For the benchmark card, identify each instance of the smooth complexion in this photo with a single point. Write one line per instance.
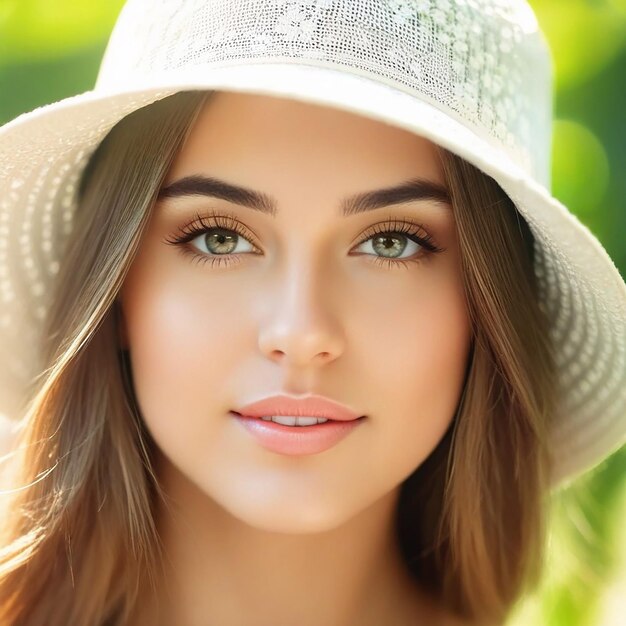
(307, 304)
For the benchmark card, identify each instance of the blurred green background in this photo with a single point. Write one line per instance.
(51, 49)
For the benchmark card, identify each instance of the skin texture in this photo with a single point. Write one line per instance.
(253, 536)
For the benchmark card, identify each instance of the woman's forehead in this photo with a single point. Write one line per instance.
(268, 135)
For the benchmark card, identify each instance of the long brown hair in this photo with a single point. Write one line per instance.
(78, 536)
(472, 516)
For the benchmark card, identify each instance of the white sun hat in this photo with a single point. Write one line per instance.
(474, 76)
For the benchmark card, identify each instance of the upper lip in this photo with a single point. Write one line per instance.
(314, 406)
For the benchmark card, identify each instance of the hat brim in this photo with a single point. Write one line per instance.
(43, 153)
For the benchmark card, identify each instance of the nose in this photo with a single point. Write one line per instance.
(301, 327)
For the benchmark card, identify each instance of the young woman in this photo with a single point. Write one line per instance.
(214, 244)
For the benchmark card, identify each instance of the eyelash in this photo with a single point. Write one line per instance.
(201, 224)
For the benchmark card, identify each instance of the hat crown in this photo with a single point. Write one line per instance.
(484, 62)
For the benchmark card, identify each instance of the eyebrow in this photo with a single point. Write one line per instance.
(407, 191)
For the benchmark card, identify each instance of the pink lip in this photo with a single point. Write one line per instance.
(297, 440)
(313, 406)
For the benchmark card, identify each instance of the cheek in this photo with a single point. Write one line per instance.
(181, 337)
(416, 362)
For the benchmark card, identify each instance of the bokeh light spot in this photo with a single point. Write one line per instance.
(580, 171)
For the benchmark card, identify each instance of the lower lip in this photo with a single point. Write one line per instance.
(296, 440)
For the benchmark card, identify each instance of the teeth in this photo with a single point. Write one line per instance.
(288, 420)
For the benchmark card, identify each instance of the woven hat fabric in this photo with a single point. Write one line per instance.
(474, 76)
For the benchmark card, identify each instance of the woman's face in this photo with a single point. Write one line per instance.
(306, 301)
